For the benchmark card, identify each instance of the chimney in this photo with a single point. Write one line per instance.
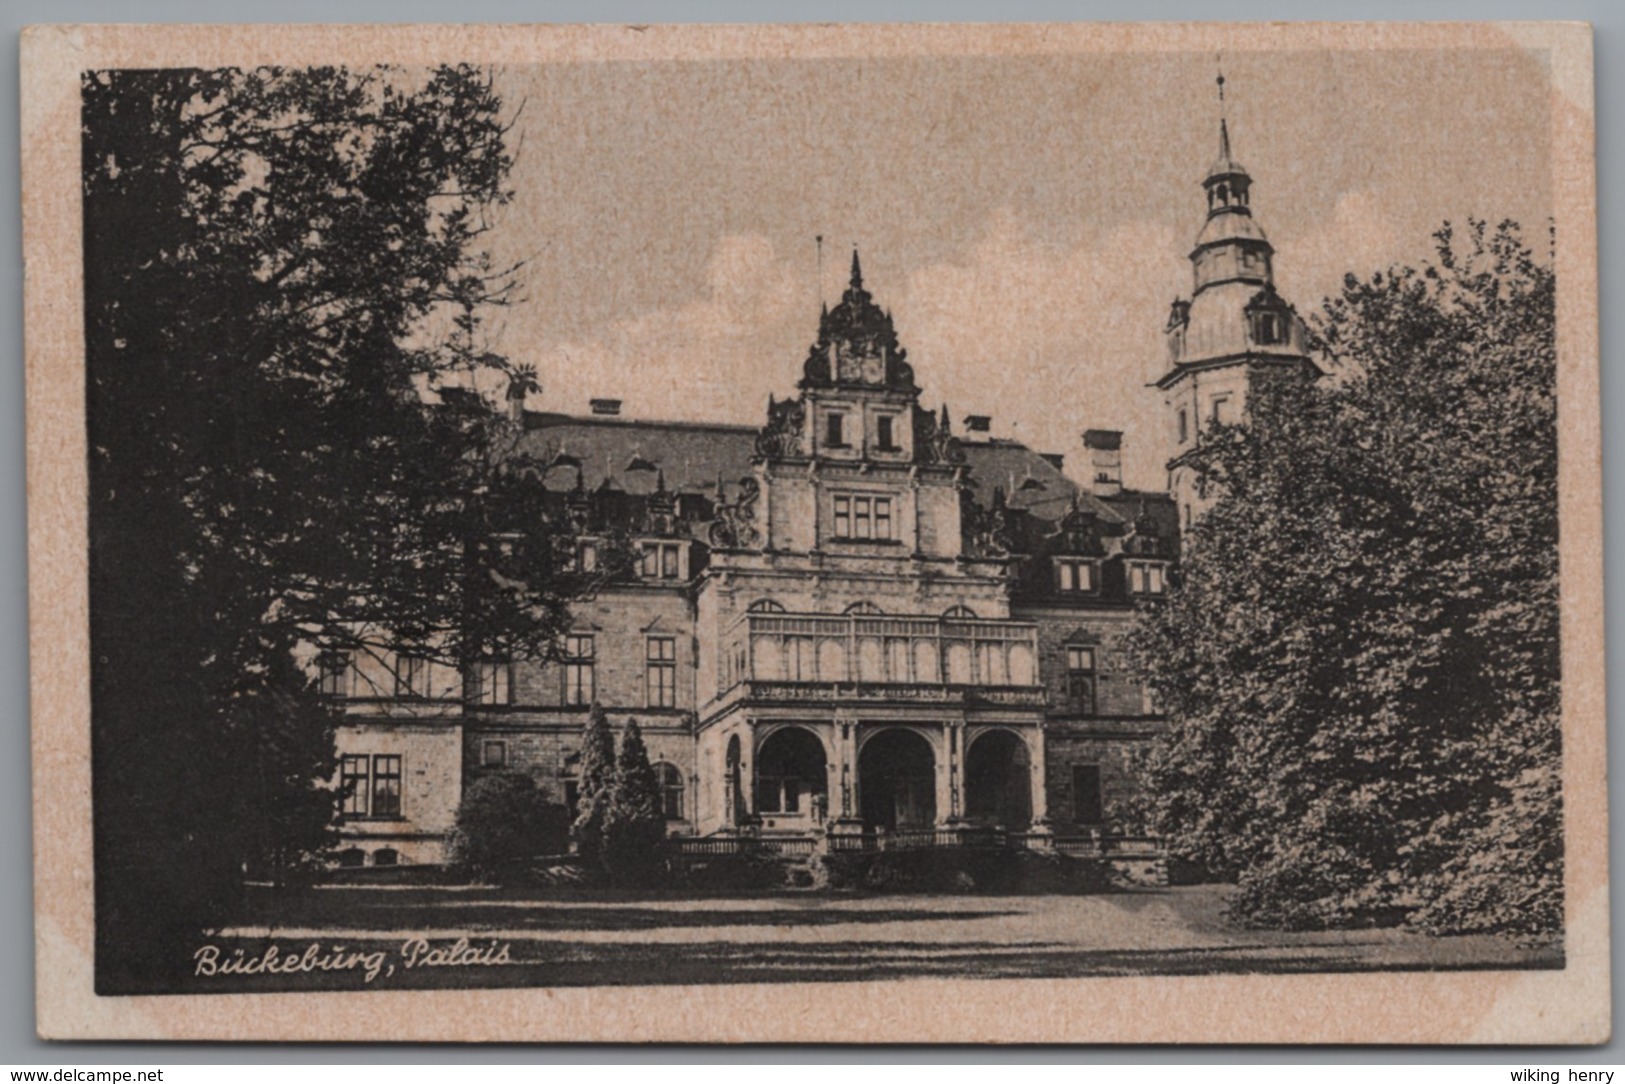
(978, 428)
(606, 407)
(1105, 447)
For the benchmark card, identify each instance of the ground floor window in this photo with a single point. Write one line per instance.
(671, 790)
(1087, 807)
(371, 785)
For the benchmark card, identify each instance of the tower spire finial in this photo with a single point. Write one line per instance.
(857, 270)
(1224, 125)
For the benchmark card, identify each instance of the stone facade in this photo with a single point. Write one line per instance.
(848, 619)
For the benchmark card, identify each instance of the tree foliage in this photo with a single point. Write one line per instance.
(502, 821)
(1360, 664)
(634, 825)
(596, 784)
(278, 262)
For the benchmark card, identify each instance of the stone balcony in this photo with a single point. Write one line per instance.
(783, 657)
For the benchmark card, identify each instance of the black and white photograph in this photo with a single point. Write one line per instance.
(873, 511)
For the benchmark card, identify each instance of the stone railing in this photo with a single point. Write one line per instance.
(783, 655)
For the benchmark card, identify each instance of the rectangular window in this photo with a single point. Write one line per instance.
(776, 794)
(334, 674)
(1087, 807)
(494, 754)
(386, 786)
(587, 556)
(1147, 578)
(885, 438)
(671, 791)
(411, 676)
(1071, 575)
(1080, 679)
(1221, 409)
(572, 796)
(1184, 427)
(493, 682)
(883, 519)
(579, 685)
(835, 430)
(353, 782)
(662, 671)
(660, 560)
(863, 518)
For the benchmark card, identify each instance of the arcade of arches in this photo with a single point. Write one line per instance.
(884, 777)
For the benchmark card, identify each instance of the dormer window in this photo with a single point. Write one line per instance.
(1073, 575)
(661, 560)
(1269, 328)
(1147, 578)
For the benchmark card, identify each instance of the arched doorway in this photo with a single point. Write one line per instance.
(897, 784)
(998, 780)
(792, 773)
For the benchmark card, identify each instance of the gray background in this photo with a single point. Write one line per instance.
(17, 1041)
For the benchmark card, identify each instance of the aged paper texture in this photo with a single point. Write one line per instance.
(816, 534)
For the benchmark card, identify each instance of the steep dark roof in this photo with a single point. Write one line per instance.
(691, 455)
(1009, 465)
(634, 455)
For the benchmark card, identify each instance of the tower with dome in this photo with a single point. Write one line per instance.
(1234, 327)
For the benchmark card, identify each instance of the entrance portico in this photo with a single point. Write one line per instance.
(857, 770)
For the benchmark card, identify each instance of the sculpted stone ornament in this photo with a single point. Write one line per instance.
(934, 441)
(857, 344)
(782, 436)
(986, 531)
(735, 526)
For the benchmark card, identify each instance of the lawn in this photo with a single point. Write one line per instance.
(396, 937)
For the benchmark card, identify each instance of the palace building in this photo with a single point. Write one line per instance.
(850, 618)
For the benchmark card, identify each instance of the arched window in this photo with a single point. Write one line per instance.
(386, 856)
(960, 613)
(351, 857)
(764, 606)
(671, 790)
(864, 607)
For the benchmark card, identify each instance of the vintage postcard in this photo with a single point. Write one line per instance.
(974, 533)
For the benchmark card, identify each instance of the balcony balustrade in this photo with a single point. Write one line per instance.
(784, 656)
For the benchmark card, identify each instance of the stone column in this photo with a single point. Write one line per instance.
(1040, 785)
(843, 801)
(747, 771)
(947, 776)
(956, 767)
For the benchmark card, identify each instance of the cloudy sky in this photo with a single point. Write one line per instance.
(1026, 218)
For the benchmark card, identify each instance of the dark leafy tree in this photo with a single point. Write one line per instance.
(1360, 664)
(596, 785)
(502, 822)
(634, 825)
(277, 263)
